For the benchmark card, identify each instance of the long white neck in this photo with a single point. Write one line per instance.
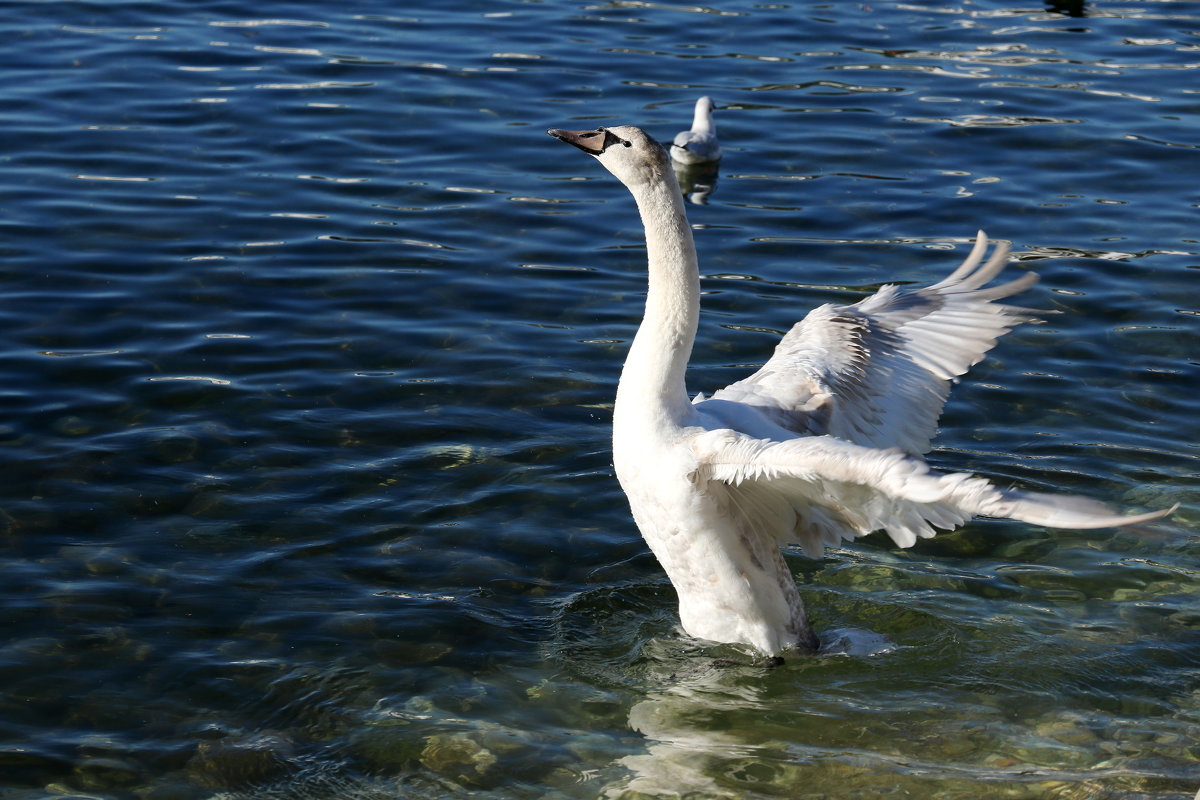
(652, 386)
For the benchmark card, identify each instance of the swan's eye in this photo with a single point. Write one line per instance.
(611, 138)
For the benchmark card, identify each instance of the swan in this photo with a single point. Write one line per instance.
(819, 445)
(699, 145)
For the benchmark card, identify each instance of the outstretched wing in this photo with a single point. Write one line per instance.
(877, 373)
(839, 490)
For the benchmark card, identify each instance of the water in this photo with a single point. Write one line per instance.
(310, 336)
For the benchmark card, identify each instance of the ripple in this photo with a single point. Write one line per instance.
(125, 179)
(260, 23)
(195, 378)
(308, 388)
(993, 121)
(78, 353)
(316, 85)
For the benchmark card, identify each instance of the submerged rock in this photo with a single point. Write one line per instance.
(106, 774)
(457, 756)
(239, 762)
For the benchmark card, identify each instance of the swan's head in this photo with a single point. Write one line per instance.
(627, 152)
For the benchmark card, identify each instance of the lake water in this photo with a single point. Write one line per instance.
(310, 338)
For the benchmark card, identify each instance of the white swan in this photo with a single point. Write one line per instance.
(699, 145)
(817, 446)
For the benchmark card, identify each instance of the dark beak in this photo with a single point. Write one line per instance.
(591, 142)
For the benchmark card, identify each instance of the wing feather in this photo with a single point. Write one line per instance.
(839, 490)
(877, 372)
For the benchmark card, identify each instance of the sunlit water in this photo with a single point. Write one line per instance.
(310, 336)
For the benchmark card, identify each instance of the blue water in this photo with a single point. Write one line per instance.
(310, 336)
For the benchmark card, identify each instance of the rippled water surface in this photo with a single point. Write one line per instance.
(310, 336)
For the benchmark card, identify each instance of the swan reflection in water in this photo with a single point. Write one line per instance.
(686, 736)
(699, 724)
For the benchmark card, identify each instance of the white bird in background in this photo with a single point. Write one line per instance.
(699, 145)
(818, 446)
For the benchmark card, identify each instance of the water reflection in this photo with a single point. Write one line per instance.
(686, 740)
(697, 181)
(697, 724)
